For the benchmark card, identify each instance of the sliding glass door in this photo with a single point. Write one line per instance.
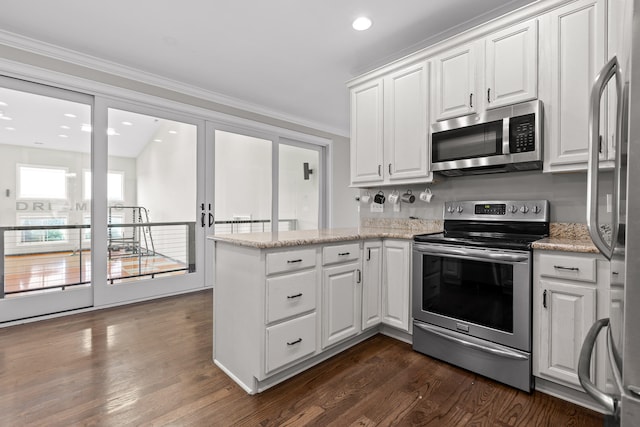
(154, 234)
(45, 245)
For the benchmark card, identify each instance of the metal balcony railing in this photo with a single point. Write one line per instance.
(49, 257)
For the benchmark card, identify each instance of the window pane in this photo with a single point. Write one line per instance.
(152, 181)
(42, 183)
(243, 183)
(298, 193)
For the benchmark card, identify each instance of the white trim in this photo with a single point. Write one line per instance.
(51, 51)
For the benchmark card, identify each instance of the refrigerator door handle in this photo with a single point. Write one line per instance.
(610, 70)
(584, 369)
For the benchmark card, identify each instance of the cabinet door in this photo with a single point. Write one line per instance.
(340, 303)
(367, 132)
(396, 284)
(371, 284)
(406, 120)
(577, 36)
(512, 65)
(455, 83)
(564, 322)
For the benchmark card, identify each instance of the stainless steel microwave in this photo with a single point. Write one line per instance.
(500, 140)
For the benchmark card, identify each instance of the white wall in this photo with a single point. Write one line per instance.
(344, 209)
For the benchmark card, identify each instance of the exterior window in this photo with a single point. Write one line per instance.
(35, 182)
(43, 235)
(115, 185)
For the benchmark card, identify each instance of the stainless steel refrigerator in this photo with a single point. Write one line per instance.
(617, 235)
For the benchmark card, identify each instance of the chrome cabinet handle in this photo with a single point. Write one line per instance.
(544, 299)
(299, 340)
(470, 100)
(379, 170)
(293, 261)
(368, 254)
(390, 169)
(489, 96)
(359, 276)
(294, 296)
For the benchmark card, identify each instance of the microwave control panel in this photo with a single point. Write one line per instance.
(522, 133)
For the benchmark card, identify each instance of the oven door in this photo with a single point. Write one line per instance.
(484, 293)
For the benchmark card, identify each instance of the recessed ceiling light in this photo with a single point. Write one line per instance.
(85, 127)
(127, 123)
(173, 132)
(64, 127)
(63, 136)
(362, 23)
(7, 118)
(112, 132)
(73, 116)
(3, 104)
(10, 128)
(157, 140)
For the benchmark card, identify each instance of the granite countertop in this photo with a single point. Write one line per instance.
(405, 229)
(567, 237)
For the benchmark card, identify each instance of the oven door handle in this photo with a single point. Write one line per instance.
(487, 347)
(473, 254)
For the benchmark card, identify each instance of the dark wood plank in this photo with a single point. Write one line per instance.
(150, 364)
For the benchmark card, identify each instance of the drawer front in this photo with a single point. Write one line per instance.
(290, 341)
(340, 253)
(568, 267)
(291, 294)
(279, 262)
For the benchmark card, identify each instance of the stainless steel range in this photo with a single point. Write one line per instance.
(472, 287)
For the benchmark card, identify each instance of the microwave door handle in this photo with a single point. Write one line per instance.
(505, 135)
(607, 73)
(584, 369)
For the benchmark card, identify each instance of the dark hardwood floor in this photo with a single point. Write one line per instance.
(150, 364)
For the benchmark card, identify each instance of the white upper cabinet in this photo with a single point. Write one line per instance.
(573, 53)
(367, 150)
(455, 85)
(389, 128)
(512, 65)
(406, 122)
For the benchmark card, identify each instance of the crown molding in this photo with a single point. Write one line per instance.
(87, 61)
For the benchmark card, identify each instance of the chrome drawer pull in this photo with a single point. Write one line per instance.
(299, 340)
(294, 296)
(559, 267)
(292, 261)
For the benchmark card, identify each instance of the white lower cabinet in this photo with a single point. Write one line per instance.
(396, 284)
(341, 302)
(569, 296)
(290, 341)
(372, 284)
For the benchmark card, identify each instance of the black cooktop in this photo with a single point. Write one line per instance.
(485, 240)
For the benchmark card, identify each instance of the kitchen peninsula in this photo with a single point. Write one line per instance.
(286, 301)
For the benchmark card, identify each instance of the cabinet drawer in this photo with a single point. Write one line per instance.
(291, 294)
(290, 341)
(340, 253)
(278, 262)
(568, 267)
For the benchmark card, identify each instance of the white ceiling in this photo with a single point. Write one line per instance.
(291, 57)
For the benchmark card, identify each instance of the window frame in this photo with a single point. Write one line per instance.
(19, 180)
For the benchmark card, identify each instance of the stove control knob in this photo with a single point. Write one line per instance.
(524, 209)
(459, 209)
(513, 209)
(536, 209)
(450, 209)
